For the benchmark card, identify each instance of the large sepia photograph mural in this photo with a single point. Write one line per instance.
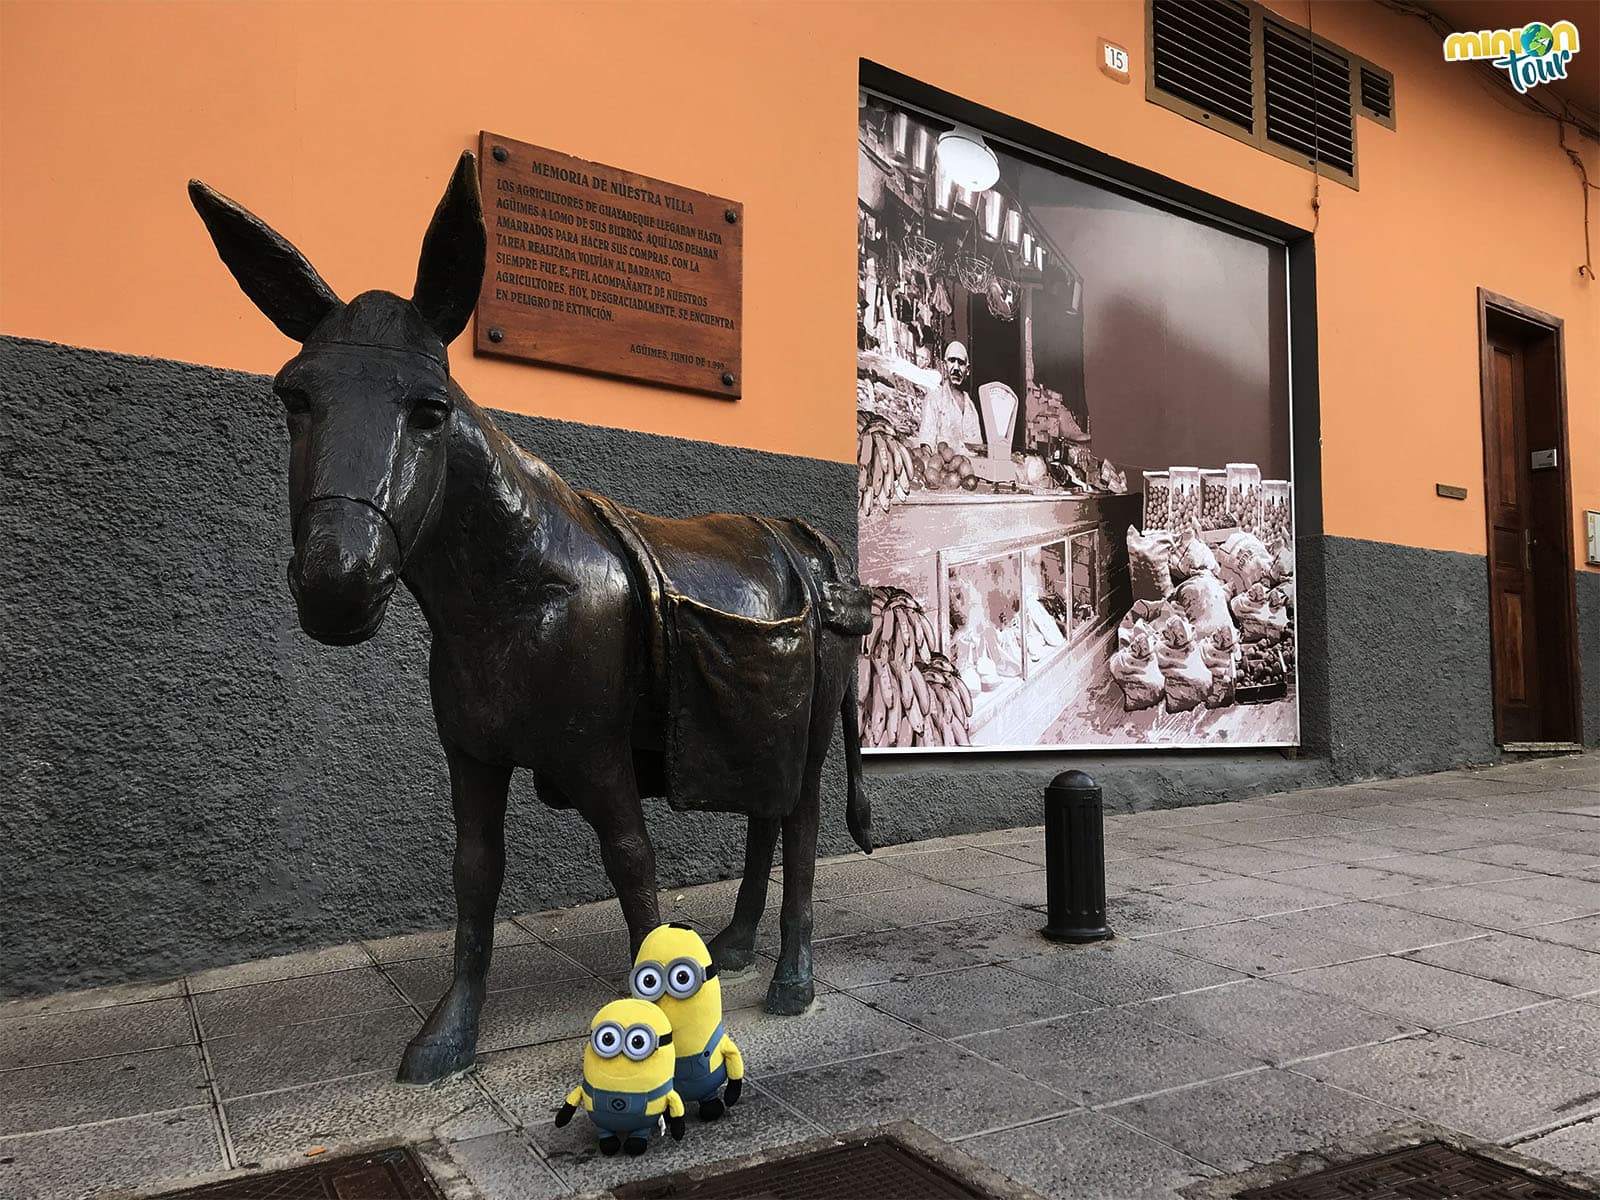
(1075, 492)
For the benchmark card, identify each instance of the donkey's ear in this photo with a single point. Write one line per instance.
(272, 273)
(450, 272)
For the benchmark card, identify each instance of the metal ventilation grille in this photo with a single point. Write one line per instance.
(1377, 93)
(1308, 99)
(1430, 1170)
(1202, 55)
(394, 1174)
(879, 1167)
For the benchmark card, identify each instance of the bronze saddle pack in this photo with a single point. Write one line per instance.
(734, 647)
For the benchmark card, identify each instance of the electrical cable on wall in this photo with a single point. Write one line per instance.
(1587, 269)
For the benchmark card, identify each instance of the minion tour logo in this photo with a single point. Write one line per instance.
(1534, 54)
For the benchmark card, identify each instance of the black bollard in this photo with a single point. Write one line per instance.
(1075, 860)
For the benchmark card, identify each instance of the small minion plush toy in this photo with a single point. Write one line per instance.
(627, 1077)
(674, 970)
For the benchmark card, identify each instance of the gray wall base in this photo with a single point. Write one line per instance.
(1408, 659)
(189, 781)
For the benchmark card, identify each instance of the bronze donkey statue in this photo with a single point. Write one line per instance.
(613, 654)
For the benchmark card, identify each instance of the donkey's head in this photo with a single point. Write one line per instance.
(369, 402)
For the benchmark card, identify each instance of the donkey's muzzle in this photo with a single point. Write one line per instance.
(345, 567)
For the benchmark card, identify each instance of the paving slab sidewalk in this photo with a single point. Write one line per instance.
(1299, 973)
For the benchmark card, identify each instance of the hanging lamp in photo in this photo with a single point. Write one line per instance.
(967, 159)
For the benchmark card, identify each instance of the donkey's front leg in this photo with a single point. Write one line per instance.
(610, 803)
(450, 1037)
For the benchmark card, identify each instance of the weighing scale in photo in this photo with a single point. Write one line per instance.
(998, 404)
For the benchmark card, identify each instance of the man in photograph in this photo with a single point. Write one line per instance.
(948, 415)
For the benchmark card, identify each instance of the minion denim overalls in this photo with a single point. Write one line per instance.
(623, 1113)
(695, 1079)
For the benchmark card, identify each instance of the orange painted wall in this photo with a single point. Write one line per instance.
(339, 121)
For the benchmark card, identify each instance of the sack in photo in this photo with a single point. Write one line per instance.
(1145, 614)
(1283, 563)
(1183, 667)
(1204, 601)
(1243, 561)
(1191, 558)
(1137, 673)
(1221, 652)
(1149, 563)
(1257, 619)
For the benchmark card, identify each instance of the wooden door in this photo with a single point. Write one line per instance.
(1512, 595)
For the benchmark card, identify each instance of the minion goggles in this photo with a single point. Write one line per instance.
(680, 979)
(638, 1042)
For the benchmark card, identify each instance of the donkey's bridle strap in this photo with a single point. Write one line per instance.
(394, 532)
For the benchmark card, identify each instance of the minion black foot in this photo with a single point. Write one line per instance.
(635, 1145)
(711, 1109)
(610, 1144)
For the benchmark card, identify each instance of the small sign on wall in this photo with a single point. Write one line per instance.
(1114, 61)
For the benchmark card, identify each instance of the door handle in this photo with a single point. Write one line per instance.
(1527, 550)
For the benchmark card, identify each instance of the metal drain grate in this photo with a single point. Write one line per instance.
(881, 1168)
(393, 1174)
(1432, 1171)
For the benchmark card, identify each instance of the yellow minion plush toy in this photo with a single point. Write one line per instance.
(627, 1077)
(674, 971)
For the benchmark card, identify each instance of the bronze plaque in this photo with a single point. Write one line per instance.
(599, 269)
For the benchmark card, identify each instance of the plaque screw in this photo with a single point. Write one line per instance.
(496, 335)
(731, 217)
(500, 155)
(727, 379)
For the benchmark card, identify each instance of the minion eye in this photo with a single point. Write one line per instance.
(607, 1040)
(683, 979)
(648, 982)
(639, 1043)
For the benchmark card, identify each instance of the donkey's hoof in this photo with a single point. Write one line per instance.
(732, 953)
(790, 998)
(432, 1059)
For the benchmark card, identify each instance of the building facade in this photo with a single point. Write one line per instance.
(197, 782)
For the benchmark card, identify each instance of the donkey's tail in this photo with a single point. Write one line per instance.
(858, 808)
(846, 609)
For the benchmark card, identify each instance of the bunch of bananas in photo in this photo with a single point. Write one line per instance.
(910, 694)
(884, 469)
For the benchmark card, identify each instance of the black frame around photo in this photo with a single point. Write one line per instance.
(1050, 150)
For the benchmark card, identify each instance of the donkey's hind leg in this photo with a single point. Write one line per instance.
(449, 1038)
(734, 948)
(792, 989)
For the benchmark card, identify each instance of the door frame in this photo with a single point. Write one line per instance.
(1491, 302)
